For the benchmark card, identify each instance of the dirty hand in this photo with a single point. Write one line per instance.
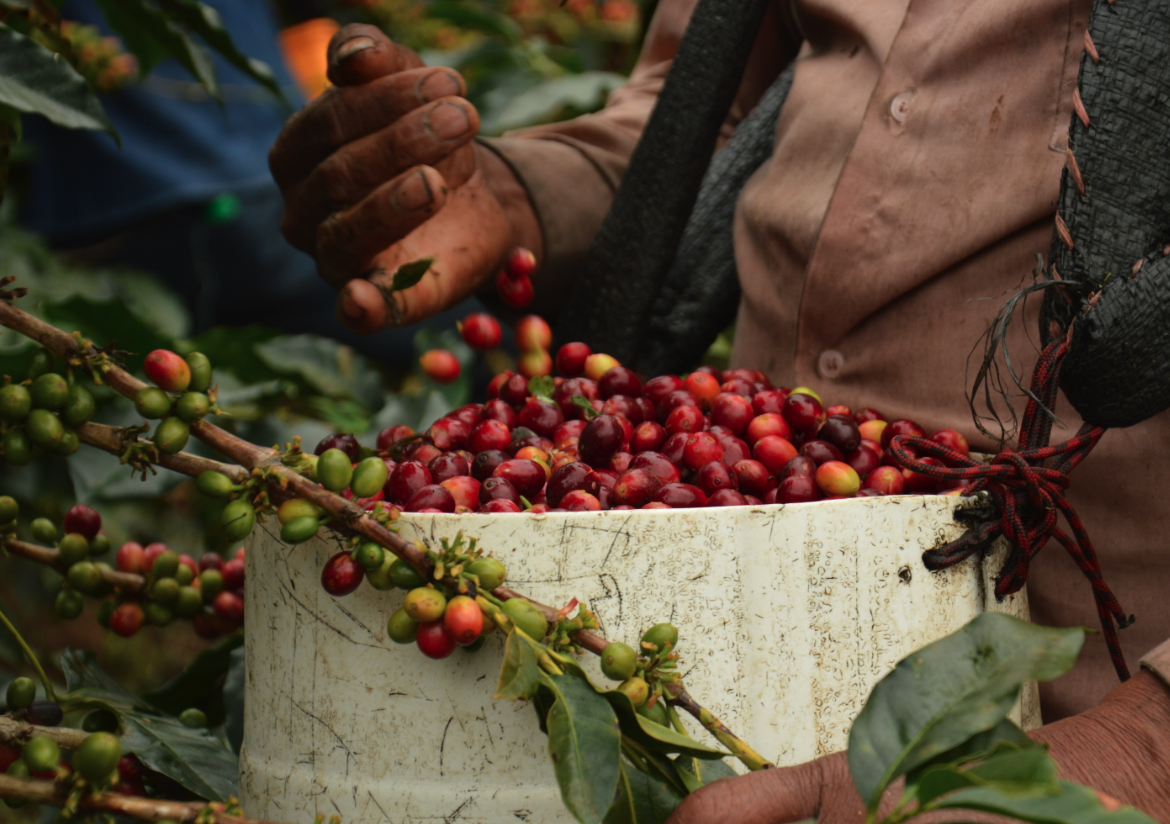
(381, 170)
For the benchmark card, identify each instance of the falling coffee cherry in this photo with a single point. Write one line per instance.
(440, 365)
(516, 292)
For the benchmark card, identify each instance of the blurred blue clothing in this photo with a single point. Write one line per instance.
(179, 146)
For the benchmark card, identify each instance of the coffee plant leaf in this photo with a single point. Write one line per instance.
(1008, 770)
(654, 736)
(328, 367)
(949, 691)
(641, 799)
(205, 21)
(196, 684)
(976, 748)
(152, 36)
(36, 81)
(520, 672)
(408, 274)
(584, 744)
(699, 773)
(194, 758)
(1069, 804)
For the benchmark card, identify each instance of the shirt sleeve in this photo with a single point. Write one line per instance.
(1158, 662)
(572, 169)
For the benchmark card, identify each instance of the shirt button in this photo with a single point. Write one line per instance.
(900, 106)
(830, 364)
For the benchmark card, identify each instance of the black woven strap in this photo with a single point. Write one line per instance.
(628, 262)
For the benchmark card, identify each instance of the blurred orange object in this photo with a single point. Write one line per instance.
(303, 46)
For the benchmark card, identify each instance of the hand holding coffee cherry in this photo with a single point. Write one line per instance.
(401, 181)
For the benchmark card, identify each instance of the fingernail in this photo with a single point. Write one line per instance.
(438, 84)
(351, 47)
(448, 121)
(413, 194)
(350, 308)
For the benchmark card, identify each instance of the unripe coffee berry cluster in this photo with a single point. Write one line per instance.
(641, 672)
(39, 416)
(209, 593)
(96, 762)
(178, 396)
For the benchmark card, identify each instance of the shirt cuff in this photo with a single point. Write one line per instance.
(571, 195)
(1157, 661)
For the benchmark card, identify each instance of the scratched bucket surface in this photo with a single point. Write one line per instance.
(787, 617)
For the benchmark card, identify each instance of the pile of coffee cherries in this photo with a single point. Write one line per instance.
(598, 437)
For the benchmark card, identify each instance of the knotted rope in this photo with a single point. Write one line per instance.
(1028, 497)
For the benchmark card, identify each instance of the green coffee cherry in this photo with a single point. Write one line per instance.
(334, 470)
(151, 402)
(370, 555)
(237, 520)
(380, 578)
(44, 428)
(41, 363)
(618, 661)
(295, 508)
(49, 391)
(17, 769)
(527, 618)
(165, 565)
(214, 484)
(100, 544)
(44, 531)
(21, 693)
(17, 447)
(165, 591)
(192, 406)
(15, 403)
(200, 372)
(210, 584)
(193, 718)
(9, 509)
(660, 637)
(189, 603)
(41, 754)
(85, 577)
(79, 407)
(425, 604)
(657, 713)
(184, 575)
(404, 576)
(158, 615)
(369, 477)
(68, 604)
(171, 435)
(401, 628)
(490, 572)
(68, 444)
(636, 690)
(299, 530)
(97, 757)
(73, 549)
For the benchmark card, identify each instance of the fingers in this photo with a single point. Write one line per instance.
(346, 113)
(349, 240)
(778, 796)
(425, 137)
(358, 53)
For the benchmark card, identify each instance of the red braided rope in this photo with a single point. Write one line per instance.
(1028, 496)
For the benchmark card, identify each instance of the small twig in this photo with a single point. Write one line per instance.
(739, 748)
(48, 685)
(16, 733)
(144, 809)
(126, 581)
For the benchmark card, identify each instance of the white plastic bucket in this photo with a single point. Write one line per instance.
(787, 616)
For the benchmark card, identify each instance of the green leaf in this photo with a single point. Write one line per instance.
(520, 672)
(10, 117)
(541, 386)
(193, 757)
(331, 368)
(35, 80)
(1009, 770)
(585, 747)
(584, 404)
(654, 736)
(549, 99)
(205, 22)
(1070, 804)
(192, 686)
(983, 745)
(409, 274)
(699, 773)
(641, 799)
(949, 691)
(148, 32)
(234, 349)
